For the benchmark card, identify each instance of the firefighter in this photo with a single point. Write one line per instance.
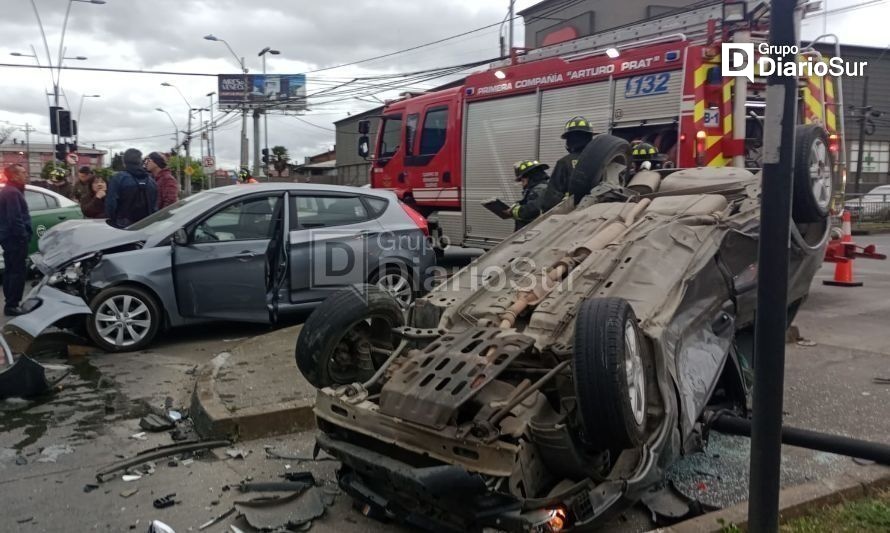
(534, 179)
(577, 134)
(644, 156)
(245, 177)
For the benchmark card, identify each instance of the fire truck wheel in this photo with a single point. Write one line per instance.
(603, 159)
(613, 370)
(813, 174)
(348, 336)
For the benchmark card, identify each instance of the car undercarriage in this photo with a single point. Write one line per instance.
(550, 382)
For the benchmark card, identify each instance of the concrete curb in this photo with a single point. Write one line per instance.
(213, 419)
(794, 501)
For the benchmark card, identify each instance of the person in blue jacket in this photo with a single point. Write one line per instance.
(132, 192)
(15, 233)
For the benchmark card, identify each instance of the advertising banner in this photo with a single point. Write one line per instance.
(269, 91)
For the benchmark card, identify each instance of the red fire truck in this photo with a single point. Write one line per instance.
(446, 152)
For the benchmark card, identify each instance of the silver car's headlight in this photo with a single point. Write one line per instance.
(70, 274)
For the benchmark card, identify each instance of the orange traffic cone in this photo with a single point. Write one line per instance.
(846, 227)
(843, 269)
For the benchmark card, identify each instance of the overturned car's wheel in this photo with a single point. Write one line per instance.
(813, 174)
(124, 319)
(611, 371)
(604, 159)
(347, 337)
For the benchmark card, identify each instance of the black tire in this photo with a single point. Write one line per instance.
(601, 384)
(118, 295)
(594, 161)
(331, 325)
(811, 140)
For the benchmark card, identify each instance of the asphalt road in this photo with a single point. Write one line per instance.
(51, 449)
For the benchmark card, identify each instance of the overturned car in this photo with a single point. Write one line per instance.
(549, 383)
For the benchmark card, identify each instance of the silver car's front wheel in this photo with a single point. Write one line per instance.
(396, 282)
(124, 318)
(633, 370)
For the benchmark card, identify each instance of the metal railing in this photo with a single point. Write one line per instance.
(869, 211)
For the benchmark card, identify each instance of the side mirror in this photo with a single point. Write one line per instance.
(364, 127)
(364, 146)
(180, 237)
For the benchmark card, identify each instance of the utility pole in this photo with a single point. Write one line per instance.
(256, 143)
(244, 156)
(510, 38)
(863, 112)
(188, 157)
(28, 130)
(210, 147)
(780, 116)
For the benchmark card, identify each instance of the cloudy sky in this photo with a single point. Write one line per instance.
(166, 35)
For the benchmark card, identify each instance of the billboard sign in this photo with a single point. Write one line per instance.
(263, 91)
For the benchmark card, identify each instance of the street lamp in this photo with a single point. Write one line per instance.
(175, 135)
(187, 186)
(262, 54)
(240, 61)
(211, 145)
(58, 75)
(80, 110)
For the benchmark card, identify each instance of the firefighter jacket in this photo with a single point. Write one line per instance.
(531, 205)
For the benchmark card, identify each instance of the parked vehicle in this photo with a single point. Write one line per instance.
(873, 206)
(232, 253)
(563, 388)
(447, 151)
(47, 209)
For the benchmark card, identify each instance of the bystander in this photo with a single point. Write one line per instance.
(15, 233)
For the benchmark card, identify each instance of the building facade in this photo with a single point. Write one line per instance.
(555, 21)
(16, 151)
(351, 168)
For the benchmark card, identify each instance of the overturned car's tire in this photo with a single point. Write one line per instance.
(124, 318)
(813, 174)
(611, 363)
(342, 340)
(603, 159)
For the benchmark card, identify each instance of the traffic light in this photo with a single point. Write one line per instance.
(54, 119)
(61, 151)
(65, 129)
(265, 156)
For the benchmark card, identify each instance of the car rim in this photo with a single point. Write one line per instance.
(633, 366)
(398, 287)
(820, 174)
(123, 320)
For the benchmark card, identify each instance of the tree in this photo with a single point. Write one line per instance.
(178, 162)
(281, 158)
(117, 161)
(105, 172)
(5, 132)
(45, 173)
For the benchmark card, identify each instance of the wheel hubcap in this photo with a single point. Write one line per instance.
(820, 174)
(633, 366)
(397, 286)
(122, 320)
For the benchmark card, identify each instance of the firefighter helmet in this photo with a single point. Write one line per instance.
(524, 167)
(578, 123)
(643, 152)
(243, 174)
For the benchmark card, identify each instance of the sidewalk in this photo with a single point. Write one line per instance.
(255, 390)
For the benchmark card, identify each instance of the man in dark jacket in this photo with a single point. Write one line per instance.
(89, 192)
(534, 179)
(168, 187)
(15, 233)
(132, 193)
